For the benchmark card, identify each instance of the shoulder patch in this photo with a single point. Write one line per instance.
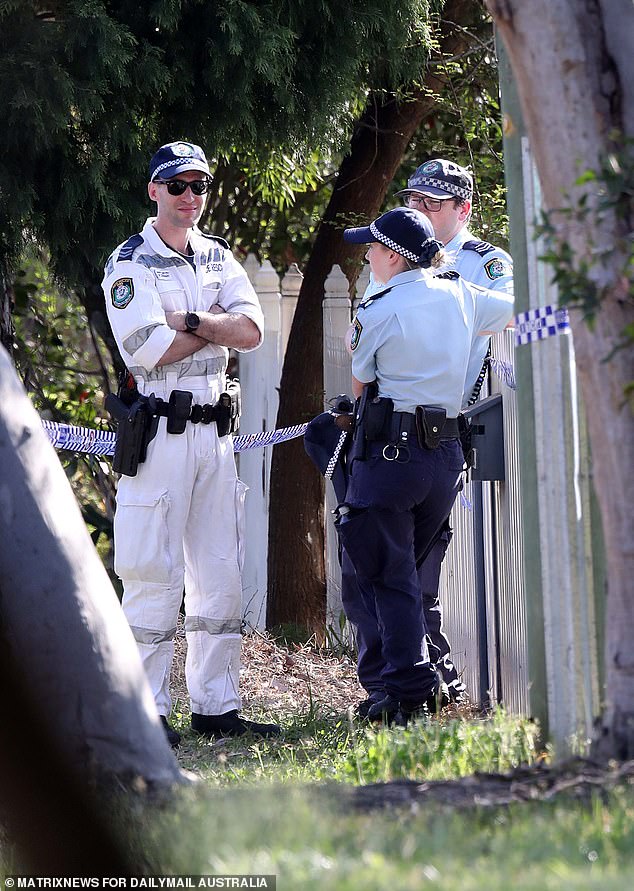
(357, 328)
(480, 247)
(496, 268)
(122, 292)
(223, 242)
(450, 274)
(129, 247)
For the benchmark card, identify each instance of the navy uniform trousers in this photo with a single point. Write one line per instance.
(395, 512)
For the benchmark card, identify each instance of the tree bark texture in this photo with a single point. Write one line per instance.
(62, 630)
(6, 325)
(574, 68)
(296, 584)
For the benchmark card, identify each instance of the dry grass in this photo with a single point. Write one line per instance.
(283, 679)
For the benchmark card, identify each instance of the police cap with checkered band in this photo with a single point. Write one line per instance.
(175, 158)
(404, 230)
(440, 179)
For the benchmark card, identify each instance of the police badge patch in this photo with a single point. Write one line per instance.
(496, 268)
(122, 292)
(357, 328)
(183, 150)
(431, 167)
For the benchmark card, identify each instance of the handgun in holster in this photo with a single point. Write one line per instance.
(235, 393)
(357, 450)
(137, 425)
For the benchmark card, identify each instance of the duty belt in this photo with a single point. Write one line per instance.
(198, 414)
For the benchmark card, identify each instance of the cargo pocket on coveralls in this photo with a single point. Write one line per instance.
(142, 539)
(240, 496)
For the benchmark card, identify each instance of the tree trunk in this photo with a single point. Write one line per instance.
(296, 584)
(6, 325)
(64, 640)
(574, 69)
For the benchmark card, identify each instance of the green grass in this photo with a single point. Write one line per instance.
(319, 747)
(288, 807)
(314, 839)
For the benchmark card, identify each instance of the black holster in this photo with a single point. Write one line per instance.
(137, 426)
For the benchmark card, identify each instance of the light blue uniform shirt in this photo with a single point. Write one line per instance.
(487, 266)
(416, 339)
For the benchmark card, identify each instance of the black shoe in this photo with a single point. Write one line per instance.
(173, 738)
(386, 711)
(364, 707)
(231, 724)
(399, 713)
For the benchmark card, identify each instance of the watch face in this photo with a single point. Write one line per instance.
(192, 321)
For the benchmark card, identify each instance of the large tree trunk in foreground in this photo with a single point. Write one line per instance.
(6, 326)
(70, 663)
(296, 584)
(574, 68)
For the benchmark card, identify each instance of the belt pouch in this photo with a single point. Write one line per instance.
(430, 420)
(178, 410)
(378, 418)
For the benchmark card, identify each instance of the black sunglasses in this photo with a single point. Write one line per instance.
(179, 186)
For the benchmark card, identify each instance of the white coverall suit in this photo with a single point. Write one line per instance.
(179, 521)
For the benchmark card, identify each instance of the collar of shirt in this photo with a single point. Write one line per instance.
(152, 237)
(458, 240)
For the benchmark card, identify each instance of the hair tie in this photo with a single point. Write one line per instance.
(429, 248)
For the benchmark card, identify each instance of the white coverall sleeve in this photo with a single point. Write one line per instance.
(237, 295)
(136, 315)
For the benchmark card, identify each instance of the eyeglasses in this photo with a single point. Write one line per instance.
(179, 186)
(433, 205)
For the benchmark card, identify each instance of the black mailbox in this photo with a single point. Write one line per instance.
(487, 438)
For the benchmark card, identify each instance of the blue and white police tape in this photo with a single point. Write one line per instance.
(538, 324)
(70, 438)
(504, 370)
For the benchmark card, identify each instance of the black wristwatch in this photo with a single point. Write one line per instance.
(192, 321)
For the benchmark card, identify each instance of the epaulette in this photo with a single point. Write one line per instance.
(129, 247)
(480, 247)
(368, 300)
(451, 274)
(222, 241)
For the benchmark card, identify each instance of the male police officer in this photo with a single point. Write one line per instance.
(443, 191)
(177, 300)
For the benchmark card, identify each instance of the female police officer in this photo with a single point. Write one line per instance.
(410, 348)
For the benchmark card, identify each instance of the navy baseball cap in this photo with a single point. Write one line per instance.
(175, 158)
(404, 230)
(326, 445)
(440, 179)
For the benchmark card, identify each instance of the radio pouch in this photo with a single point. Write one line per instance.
(178, 410)
(378, 418)
(430, 421)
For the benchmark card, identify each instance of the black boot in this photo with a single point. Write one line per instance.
(173, 738)
(231, 724)
(391, 711)
(364, 707)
